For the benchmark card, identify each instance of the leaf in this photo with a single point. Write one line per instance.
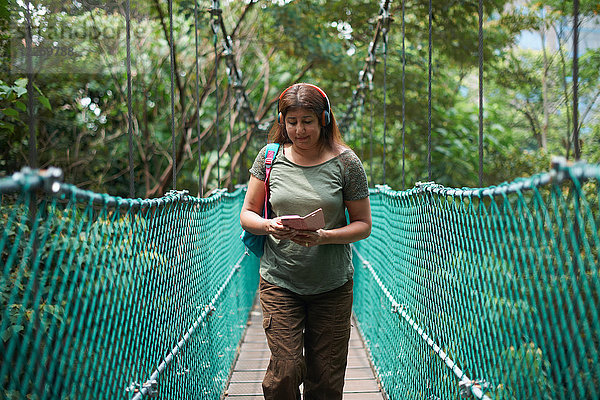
(21, 82)
(20, 91)
(11, 112)
(4, 89)
(20, 105)
(45, 102)
(10, 331)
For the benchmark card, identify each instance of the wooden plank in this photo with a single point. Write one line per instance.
(246, 380)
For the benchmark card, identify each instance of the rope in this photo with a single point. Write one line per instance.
(480, 93)
(357, 94)
(231, 123)
(429, 101)
(200, 185)
(385, 17)
(30, 92)
(215, 13)
(363, 140)
(576, 79)
(171, 282)
(371, 127)
(400, 309)
(129, 111)
(172, 53)
(403, 93)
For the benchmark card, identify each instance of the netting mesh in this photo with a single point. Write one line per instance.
(490, 292)
(497, 288)
(101, 296)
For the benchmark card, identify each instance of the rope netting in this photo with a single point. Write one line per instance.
(110, 298)
(489, 292)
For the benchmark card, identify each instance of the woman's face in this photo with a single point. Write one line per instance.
(302, 126)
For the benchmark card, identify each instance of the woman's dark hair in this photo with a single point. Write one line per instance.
(303, 95)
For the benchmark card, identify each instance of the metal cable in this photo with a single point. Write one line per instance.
(429, 101)
(480, 93)
(371, 135)
(216, 6)
(200, 185)
(576, 79)
(362, 131)
(403, 93)
(231, 123)
(129, 111)
(385, 51)
(172, 51)
(30, 92)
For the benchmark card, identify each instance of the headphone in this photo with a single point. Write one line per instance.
(325, 117)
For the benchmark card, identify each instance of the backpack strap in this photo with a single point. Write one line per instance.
(270, 154)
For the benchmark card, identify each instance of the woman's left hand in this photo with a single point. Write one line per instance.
(310, 238)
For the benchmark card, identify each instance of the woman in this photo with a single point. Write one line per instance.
(306, 277)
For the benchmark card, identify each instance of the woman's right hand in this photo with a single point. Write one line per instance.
(276, 229)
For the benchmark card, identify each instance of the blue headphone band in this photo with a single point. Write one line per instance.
(325, 118)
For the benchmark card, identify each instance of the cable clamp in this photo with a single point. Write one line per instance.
(398, 308)
(558, 165)
(228, 46)
(133, 387)
(215, 11)
(53, 177)
(384, 15)
(466, 386)
(151, 387)
(210, 310)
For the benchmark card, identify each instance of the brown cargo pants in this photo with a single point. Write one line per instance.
(319, 325)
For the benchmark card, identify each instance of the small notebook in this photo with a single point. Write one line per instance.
(310, 222)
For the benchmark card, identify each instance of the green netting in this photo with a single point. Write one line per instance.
(100, 296)
(493, 292)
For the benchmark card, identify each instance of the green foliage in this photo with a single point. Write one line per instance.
(82, 127)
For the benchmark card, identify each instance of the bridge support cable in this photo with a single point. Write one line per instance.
(403, 92)
(235, 77)
(198, 130)
(172, 57)
(429, 68)
(216, 18)
(385, 18)
(129, 107)
(577, 149)
(480, 12)
(369, 66)
(466, 384)
(30, 91)
(371, 110)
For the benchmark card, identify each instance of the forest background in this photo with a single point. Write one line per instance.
(80, 105)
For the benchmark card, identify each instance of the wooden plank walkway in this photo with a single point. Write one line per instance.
(246, 379)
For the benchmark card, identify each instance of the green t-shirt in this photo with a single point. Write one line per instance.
(299, 190)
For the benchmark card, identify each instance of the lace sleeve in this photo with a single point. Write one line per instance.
(355, 178)
(258, 168)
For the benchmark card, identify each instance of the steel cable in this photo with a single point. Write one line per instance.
(403, 92)
(200, 185)
(172, 54)
(129, 106)
(480, 93)
(429, 98)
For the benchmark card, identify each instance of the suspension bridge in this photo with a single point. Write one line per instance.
(487, 293)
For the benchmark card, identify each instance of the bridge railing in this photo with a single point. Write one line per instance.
(110, 298)
(491, 293)
(488, 292)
